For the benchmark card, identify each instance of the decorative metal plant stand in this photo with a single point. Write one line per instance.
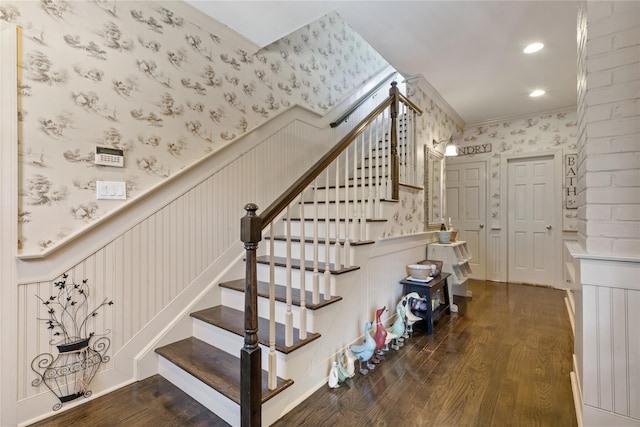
(68, 375)
(80, 352)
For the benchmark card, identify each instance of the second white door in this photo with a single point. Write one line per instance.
(530, 220)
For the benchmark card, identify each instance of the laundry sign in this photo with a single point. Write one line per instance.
(474, 149)
(570, 181)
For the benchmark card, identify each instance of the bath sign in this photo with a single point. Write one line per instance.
(570, 181)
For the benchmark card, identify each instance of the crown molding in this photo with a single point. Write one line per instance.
(420, 81)
(521, 116)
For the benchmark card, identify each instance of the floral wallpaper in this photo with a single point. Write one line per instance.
(408, 216)
(525, 135)
(135, 76)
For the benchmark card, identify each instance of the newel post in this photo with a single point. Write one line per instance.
(250, 355)
(395, 160)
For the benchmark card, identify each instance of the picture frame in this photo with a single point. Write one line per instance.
(434, 189)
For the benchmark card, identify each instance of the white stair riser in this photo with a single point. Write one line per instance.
(281, 245)
(341, 193)
(216, 402)
(280, 277)
(232, 344)
(342, 229)
(235, 299)
(355, 209)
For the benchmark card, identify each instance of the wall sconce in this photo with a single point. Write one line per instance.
(450, 149)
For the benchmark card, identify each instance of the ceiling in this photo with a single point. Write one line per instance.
(469, 51)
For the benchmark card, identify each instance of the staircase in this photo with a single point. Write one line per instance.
(262, 348)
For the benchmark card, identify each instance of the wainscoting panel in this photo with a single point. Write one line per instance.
(607, 337)
(611, 374)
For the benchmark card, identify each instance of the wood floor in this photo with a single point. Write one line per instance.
(504, 362)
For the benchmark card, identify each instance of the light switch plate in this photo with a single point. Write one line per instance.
(111, 190)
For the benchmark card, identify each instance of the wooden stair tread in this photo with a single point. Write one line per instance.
(350, 185)
(341, 219)
(333, 187)
(214, 367)
(232, 320)
(281, 294)
(321, 202)
(308, 265)
(321, 241)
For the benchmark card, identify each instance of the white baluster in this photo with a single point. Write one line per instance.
(337, 252)
(377, 205)
(370, 186)
(327, 243)
(363, 196)
(356, 228)
(316, 274)
(347, 225)
(388, 183)
(288, 320)
(410, 148)
(402, 143)
(273, 371)
(303, 296)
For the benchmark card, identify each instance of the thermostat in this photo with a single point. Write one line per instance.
(109, 157)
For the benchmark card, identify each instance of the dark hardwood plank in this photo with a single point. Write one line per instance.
(216, 368)
(233, 321)
(505, 361)
(281, 292)
(150, 402)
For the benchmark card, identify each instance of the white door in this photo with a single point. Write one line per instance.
(466, 206)
(530, 206)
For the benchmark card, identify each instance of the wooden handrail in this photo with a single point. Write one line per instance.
(410, 104)
(361, 101)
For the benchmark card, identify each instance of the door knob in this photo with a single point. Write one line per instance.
(548, 227)
(481, 225)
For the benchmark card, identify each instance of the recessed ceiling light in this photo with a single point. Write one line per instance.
(537, 92)
(533, 47)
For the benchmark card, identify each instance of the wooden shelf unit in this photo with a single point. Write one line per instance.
(455, 258)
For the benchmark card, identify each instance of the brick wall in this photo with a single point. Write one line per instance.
(609, 127)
